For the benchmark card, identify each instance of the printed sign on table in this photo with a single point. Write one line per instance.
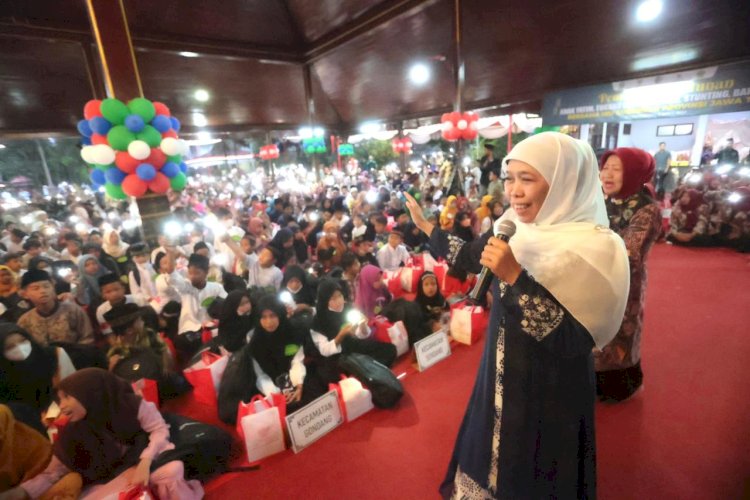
(432, 349)
(314, 421)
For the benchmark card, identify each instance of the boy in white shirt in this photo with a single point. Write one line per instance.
(197, 295)
(394, 254)
(141, 276)
(113, 293)
(261, 267)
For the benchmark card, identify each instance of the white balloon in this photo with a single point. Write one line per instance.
(170, 146)
(447, 126)
(139, 150)
(87, 153)
(462, 124)
(103, 154)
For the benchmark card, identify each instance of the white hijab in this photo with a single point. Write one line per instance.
(115, 251)
(569, 248)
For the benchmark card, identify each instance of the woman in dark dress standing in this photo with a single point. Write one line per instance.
(560, 289)
(636, 217)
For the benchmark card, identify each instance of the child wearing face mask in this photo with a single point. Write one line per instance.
(29, 371)
(236, 320)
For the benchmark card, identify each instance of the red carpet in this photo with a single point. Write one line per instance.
(685, 436)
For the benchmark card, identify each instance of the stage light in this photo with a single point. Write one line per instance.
(648, 10)
(419, 74)
(186, 53)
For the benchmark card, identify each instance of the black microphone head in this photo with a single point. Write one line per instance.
(506, 228)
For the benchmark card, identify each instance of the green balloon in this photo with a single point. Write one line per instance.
(178, 182)
(176, 159)
(142, 107)
(119, 137)
(104, 168)
(150, 136)
(114, 110)
(114, 191)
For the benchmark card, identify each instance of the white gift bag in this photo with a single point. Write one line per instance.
(263, 431)
(399, 337)
(356, 398)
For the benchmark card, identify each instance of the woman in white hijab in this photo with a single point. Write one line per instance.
(114, 246)
(560, 288)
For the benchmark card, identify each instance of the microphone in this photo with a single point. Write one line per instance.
(505, 230)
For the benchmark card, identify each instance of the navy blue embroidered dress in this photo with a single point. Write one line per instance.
(528, 431)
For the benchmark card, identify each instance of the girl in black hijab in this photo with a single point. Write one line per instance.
(278, 349)
(296, 282)
(27, 370)
(283, 241)
(112, 436)
(333, 334)
(236, 320)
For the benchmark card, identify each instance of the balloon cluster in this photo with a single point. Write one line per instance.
(346, 150)
(269, 152)
(459, 126)
(132, 148)
(401, 145)
(314, 145)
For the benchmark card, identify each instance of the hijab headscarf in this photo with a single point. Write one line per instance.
(115, 250)
(326, 321)
(89, 283)
(28, 381)
(109, 439)
(638, 169)
(306, 294)
(274, 350)
(368, 298)
(13, 287)
(691, 209)
(430, 305)
(35, 261)
(569, 248)
(233, 328)
(448, 215)
(484, 208)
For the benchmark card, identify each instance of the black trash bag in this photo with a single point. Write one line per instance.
(386, 389)
(237, 384)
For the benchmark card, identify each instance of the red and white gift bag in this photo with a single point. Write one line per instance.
(394, 333)
(260, 425)
(468, 322)
(354, 399)
(393, 281)
(147, 389)
(205, 377)
(410, 277)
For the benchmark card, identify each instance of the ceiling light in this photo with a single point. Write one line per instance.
(661, 93)
(648, 10)
(2, 146)
(419, 74)
(188, 54)
(369, 128)
(201, 95)
(664, 59)
(199, 120)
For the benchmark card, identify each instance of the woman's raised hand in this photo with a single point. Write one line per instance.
(415, 210)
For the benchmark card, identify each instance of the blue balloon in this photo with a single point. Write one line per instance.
(100, 125)
(86, 141)
(134, 123)
(161, 123)
(84, 128)
(98, 177)
(145, 172)
(175, 123)
(170, 169)
(183, 167)
(114, 175)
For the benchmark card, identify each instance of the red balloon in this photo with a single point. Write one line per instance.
(159, 184)
(161, 108)
(132, 185)
(451, 134)
(157, 158)
(125, 162)
(169, 133)
(99, 139)
(92, 109)
(445, 118)
(454, 117)
(471, 116)
(469, 134)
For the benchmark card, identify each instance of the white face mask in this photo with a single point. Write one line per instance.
(336, 309)
(20, 352)
(294, 290)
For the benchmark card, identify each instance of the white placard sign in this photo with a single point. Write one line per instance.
(432, 349)
(314, 421)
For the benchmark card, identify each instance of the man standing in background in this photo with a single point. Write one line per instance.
(728, 154)
(663, 160)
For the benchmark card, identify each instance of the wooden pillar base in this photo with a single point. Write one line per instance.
(154, 210)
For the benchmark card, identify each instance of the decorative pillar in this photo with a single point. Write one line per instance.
(122, 81)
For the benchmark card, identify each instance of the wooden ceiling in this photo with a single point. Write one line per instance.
(253, 55)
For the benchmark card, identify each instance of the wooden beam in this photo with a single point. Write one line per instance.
(371, 19)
